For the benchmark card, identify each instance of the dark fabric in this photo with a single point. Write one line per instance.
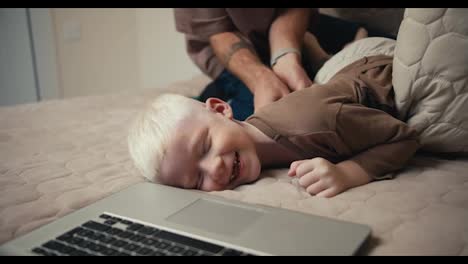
(333, 33)
(232, 90)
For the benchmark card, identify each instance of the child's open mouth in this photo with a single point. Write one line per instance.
(235, 167)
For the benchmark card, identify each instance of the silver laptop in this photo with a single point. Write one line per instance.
(153, 219)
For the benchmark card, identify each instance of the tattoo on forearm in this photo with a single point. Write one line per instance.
(235, 48)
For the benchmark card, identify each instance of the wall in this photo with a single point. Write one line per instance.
(161, 49)
(106, 50)
(17, 76)
(45, 52)
(96, 50)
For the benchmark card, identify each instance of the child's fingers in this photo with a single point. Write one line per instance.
(316, 188)
(327, 193)
(293, 167)
(308, 179)
(305, 167)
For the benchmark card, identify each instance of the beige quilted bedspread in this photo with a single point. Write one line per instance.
(58, 156)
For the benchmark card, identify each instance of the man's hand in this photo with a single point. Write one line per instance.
(268, 88)
(290, 71)
(325, 179)
(242, 61)
(287, 31)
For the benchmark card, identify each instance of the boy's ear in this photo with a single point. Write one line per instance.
(219, 106)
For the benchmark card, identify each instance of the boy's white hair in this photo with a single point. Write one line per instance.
(151, 130)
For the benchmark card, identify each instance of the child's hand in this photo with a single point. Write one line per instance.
(325, 179)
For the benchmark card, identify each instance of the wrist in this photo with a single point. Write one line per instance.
(288, 54)
(354, 173)
(258, 77)
(290, 60)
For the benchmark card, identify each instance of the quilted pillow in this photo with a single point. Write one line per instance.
(430, 76)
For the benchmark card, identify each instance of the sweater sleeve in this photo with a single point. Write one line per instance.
(201, 23)
(381, 143)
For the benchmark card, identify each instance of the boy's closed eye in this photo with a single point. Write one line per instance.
(205, 149)
(200, 180)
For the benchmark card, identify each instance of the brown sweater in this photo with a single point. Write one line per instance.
(350, 117)
(253, 24)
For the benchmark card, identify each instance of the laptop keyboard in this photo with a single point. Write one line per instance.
(114, 236)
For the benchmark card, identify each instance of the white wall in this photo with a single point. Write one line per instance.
(45, 53)
(17, 77)
(161, 49)
(97, 50)
(106, 50)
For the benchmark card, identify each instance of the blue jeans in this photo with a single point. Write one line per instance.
(232, 90)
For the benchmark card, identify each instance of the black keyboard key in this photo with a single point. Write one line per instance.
(109, 252)
(136, 238)
(159, 253)
(78, 252)
(85, 233)
(190, 242)
(116, 219)
(96, 247)
(39, 251)
(147, 230)
(96, 226)
(114, 231)
(104, 216)
(65, 237)
(110, 222)
(134, 227)
(232, 252)
(96, 236)
(162, 245)
(83, 244)
(107, 240)
(53, 245)
(149, 241)
(126, 222)
(66, 249)
(189, 252)
(176, 249)
(75, 231)
(132, 247)
(75, 241)
(125, 234)
(119, 243)
(144, 251)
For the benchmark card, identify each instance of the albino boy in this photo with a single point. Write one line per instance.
(332, 136)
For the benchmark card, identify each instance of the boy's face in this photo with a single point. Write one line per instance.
(209, 151)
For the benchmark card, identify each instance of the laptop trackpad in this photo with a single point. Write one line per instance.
(217, 217)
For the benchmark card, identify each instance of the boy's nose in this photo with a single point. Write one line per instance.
(217, 170)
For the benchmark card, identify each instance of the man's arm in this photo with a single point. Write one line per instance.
(240, 59)
(286, 32)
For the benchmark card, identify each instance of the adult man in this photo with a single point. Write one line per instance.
(252, 51)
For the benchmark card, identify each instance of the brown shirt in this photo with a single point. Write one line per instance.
(350, 117)
(198, 24)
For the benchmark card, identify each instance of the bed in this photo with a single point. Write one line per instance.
(58, 156)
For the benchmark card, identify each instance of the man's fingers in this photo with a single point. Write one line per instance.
(302, 85)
